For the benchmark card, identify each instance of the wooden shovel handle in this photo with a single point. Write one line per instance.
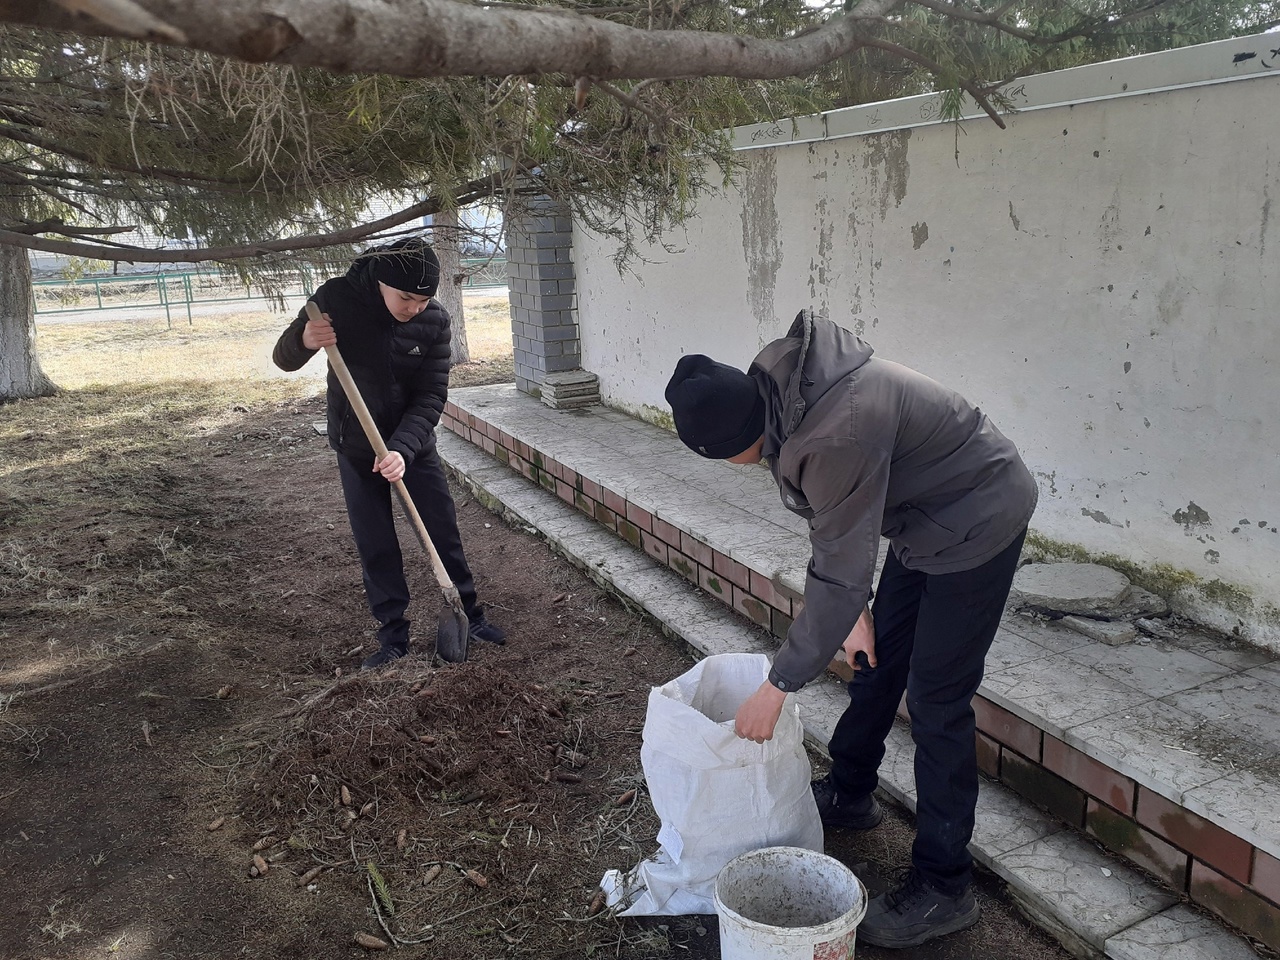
(380, 448)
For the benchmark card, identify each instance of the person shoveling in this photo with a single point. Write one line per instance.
(386, 391)
(863, 448)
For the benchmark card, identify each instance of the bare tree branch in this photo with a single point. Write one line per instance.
(438, 38)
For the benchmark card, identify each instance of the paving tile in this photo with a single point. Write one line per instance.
(1006, 822)
(1045, 633)
(1057, 693)
(1269, 671)
(1155, 668)
(1229, 651)
(1008, 650)
(1178, 933)
(1166, 749)
(1244, 702)
(1077, 890)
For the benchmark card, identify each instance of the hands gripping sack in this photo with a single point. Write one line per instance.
(716, 795)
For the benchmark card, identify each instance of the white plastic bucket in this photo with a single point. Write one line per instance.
(788, 903)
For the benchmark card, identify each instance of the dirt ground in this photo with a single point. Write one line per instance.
(180, 615)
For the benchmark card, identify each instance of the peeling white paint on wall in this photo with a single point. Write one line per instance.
(1096, 277)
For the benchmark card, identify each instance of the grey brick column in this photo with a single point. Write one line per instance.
(540, 284)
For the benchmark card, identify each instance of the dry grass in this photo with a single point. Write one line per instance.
(231, 346)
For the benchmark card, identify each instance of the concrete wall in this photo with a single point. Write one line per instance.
(1100, 277)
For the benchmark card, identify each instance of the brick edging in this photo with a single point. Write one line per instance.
(1191, 856)
(1197, 859)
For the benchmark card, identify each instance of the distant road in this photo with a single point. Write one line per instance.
(178, 311)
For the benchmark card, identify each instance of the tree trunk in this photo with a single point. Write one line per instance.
(20, 373)
(444, 238)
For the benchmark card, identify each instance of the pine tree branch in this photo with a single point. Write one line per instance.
(478, 189)
(968, 86)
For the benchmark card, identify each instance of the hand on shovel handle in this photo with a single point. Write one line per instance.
(450, 647)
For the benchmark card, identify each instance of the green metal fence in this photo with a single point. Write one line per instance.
(182, 290)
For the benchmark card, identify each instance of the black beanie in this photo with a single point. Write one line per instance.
(718, 410)
(409, 265)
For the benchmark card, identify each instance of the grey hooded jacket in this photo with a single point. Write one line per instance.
(863, 448)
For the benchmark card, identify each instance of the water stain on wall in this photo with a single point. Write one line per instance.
(821, 274)
(886, 162)
(1109, 226)
(882, 159)
(760, 243)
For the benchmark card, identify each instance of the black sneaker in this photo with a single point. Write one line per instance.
(382, 656)
(482, 629)
(838, 811)
(915, 913)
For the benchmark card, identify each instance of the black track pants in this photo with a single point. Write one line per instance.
(932, 638)
(370, 512)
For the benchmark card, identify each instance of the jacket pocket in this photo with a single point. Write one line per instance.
(922, 535)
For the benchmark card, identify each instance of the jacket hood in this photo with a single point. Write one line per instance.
(797, 370)
(360, 276)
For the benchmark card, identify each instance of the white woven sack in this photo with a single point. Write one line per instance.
(716, 795)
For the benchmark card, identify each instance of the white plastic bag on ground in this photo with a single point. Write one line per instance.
(717, 795)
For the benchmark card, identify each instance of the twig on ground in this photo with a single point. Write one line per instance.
(377, 909)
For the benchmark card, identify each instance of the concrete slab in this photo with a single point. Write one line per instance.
(1246, 702)
(1269, 672)
(1057, 692)
(1074, 889)
(1051, 635)
(1178, 933)
(1009, 650)
(1140, 603)
(1236, 655)
(1069, 587)
(1165, 748)
(1005, 822)
(1104, 631)
(1157, 668)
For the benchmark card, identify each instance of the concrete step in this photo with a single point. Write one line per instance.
(1058, 721)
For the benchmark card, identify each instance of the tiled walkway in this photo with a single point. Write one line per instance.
(1167, 752)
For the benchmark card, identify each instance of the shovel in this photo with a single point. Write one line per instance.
(452, 628)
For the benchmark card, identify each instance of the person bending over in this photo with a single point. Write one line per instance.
(865, 448)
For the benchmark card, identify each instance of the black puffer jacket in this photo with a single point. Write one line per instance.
(402, 369)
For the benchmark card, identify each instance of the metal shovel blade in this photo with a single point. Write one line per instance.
(452, 633)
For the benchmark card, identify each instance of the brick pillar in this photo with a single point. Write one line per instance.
(540, 284)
